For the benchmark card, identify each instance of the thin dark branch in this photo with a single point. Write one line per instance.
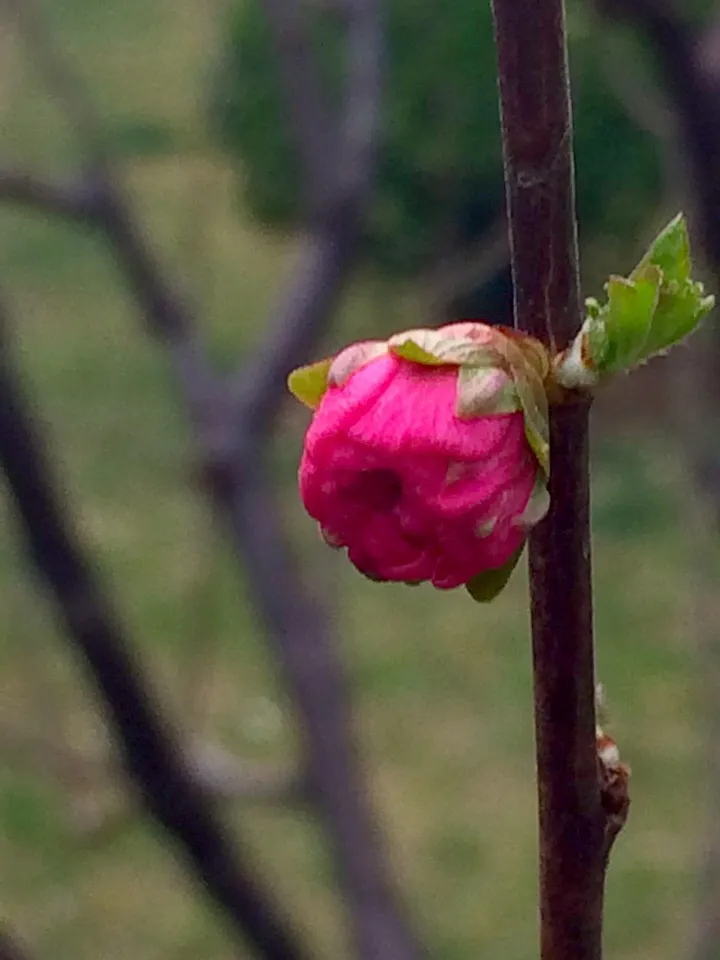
(150, 755)
(168, 315)
(71, 200)
(691, 73)
(59, 76)
(300, 630)
(359, 119)
(301, 319)
(297, 624)
(305, 311)
(98, 197)
(233, 422)
(99, 202)
(537, 139)
(308, 109)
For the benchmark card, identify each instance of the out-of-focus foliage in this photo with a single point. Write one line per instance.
(440, 174)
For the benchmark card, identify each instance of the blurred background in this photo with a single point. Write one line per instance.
(188, 98)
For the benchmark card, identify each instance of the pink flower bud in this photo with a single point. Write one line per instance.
(396, 470)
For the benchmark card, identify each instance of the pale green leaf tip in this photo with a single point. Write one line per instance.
(485, 391)
(309, 384)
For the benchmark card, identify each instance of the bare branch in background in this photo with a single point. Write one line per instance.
(307, 106)
(692, 77)
(634, 91)
(218, 771)
(306, 309)
(75, 201)
(150, 755)
(233, 421)
(297, 623)
(320, 692)
(59, 76)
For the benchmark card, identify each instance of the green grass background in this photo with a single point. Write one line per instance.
(442, 687)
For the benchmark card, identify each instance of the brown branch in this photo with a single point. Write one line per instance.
(306, 309)
(59, 76)
(307, 107)
(537, 140)
(691, 74)
(218, 771)
(297, 624)
(150, 755)
(305, 646)
(74, 201)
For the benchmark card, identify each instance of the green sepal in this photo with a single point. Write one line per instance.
(487, 585)
(534, 402)
(309, 384)
(433, 348)
(485, 391)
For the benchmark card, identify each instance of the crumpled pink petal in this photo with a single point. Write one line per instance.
(414, 492)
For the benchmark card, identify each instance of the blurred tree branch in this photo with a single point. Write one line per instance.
(690, 61)
(150, 754)
(307, 107)
(233, 418)
(217, 770)
(75, 201)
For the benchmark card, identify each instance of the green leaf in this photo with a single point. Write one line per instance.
(531, 392)
(657, 306)
(627, 320)
(679, 311)
(487, 585)
(308, 384)
(670, 251)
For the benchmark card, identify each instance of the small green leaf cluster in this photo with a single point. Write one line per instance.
(652, 309)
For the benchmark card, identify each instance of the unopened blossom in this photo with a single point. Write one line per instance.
(422, 468)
